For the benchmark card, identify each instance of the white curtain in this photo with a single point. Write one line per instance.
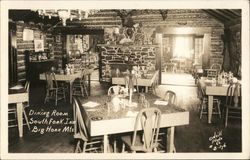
(183, 47)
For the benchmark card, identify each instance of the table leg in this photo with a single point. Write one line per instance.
(210, 107)
(170, 140)
(70, 91)
(146, 89)
(89, 83)
(105, 144)
(19, 107)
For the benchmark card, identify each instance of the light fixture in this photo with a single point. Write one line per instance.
(65, 14)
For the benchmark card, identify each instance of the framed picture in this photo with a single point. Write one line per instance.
(58, 38)
(28, 34)
(39, 45)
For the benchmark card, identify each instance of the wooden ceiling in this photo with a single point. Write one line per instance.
(105, 18)
(226, 16)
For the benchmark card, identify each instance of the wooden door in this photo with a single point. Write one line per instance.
(12, 54)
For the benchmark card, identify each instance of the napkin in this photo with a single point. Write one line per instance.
(17, 87)
(90, 104)
(159, 102)
(131, 114)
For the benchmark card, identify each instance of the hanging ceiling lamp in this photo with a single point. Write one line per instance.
(65, 14)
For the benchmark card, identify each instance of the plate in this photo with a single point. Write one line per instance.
(90, 104)
(17, 87)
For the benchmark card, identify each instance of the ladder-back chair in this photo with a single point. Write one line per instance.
(80, 86)
(233, 102)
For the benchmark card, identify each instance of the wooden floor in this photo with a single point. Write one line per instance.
(190, 138)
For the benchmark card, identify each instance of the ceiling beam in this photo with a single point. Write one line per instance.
(225, 16)
(214, 15)
(227, 12)
(236, 12)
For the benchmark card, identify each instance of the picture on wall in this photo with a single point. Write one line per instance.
(39, 45)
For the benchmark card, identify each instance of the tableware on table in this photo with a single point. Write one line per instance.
(117, 72)
(96, 118)
(161, 102)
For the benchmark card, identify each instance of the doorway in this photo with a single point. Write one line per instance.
(179, 54)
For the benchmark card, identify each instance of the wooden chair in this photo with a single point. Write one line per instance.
(53, 91)
(80, 86)
(170, 97)
(213, 71)
(85, 143)
(204, 103)
(12, 109)
(233, 102)
(148, 119)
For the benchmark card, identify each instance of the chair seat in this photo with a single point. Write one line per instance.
(127, 139)
(79, 136)
(13, 110)
(232, 107)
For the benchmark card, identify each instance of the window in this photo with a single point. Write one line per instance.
(198, 50)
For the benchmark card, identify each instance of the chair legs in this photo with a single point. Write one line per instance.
(203, 107)
(123, 147)
(82, 88)
(226, 118)
(50, 94)
(56, 98)
(26, 118)
(78, 148)
(201, 110)
(218, 108)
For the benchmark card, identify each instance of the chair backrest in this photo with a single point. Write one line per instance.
(83, 74)
(170, 97)
(216, 66)
(234, 95)
(51, 80)
(115, 90)
(149, 119)
(79, 125)
(212, 73)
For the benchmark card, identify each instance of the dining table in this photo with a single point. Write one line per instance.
(18, 95)
(103, 119)
(70, 78)
(146, 80)
(211, 90)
